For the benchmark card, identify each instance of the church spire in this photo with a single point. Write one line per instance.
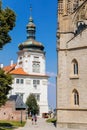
(31, 28)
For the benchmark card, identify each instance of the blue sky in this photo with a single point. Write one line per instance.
(44, 13)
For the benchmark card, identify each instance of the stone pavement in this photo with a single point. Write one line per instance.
(41, 125)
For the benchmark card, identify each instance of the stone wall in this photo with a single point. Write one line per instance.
(8, 112)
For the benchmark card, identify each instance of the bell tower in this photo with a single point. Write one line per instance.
(72, 55)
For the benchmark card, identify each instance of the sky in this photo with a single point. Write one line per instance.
(44, 13)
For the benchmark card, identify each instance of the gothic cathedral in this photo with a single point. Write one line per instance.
(72, 64)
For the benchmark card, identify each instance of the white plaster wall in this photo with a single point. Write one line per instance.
(28, 88)
(28, 58)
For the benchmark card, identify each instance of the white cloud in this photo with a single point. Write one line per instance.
(51, 74)
(50, 84)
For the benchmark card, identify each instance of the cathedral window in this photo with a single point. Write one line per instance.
(75, 67)
(76, 97)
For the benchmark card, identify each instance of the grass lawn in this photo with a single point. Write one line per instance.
(10, 125)
(51, 120)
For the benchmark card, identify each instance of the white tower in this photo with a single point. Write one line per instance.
(29, 74)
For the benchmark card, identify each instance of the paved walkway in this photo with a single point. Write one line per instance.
(41, 125)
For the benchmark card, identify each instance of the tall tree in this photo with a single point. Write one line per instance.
(7, 22)
(31, 102)
(5, 82)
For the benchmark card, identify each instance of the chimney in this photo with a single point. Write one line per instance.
(1, 66)
(11, 62)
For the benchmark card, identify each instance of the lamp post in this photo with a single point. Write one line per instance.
(20, 106)
(21, 112)
(21, 116)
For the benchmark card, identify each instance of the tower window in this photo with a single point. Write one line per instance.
(20, 58)
(36, 67)
(36, 64)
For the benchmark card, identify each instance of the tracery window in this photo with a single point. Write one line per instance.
(60, 7)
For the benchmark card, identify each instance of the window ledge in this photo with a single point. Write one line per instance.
(74, 76)
(75, 106)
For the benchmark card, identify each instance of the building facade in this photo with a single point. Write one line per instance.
(72, 63)
(29, 74)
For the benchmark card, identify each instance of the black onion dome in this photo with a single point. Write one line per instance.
(31, 44)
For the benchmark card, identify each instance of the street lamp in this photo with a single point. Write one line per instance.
(20, 106)
(21, 111)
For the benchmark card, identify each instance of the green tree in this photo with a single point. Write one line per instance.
(7, 22)
(5, 82)
(31, 102)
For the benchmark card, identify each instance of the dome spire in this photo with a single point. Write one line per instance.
(31, 28)
(30, 11)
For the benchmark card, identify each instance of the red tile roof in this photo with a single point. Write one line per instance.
(18, 71)
(8, 69)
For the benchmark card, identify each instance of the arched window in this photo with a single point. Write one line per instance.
(75, 67)
(76, 97)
